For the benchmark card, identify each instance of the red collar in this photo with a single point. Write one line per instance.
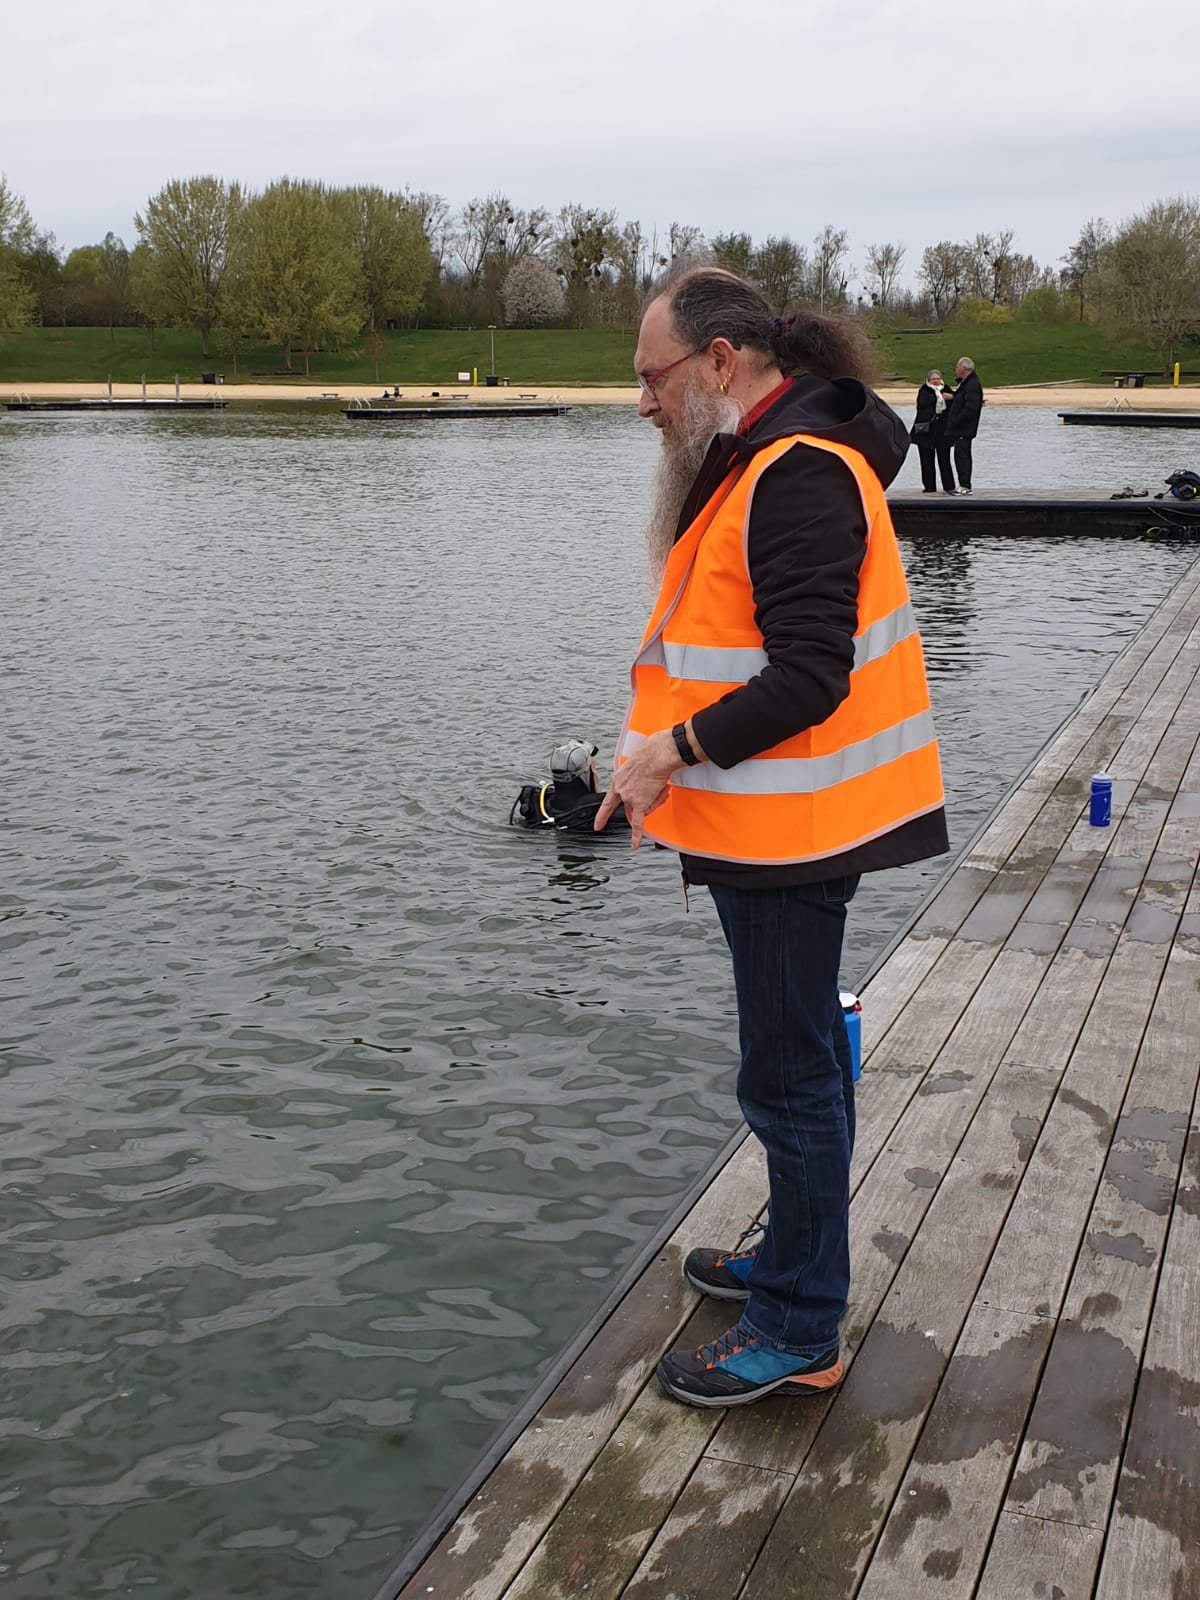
(763, 406)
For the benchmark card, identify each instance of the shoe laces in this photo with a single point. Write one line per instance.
(756, 1227)
(731, 1343)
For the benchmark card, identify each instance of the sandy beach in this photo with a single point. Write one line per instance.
(1062, 397)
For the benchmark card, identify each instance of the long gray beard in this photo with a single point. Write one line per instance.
(704, 414)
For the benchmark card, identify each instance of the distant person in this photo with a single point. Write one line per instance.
(396, 392)
(928, 434)
(962, 419)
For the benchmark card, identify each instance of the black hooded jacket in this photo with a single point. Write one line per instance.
(806, 541)
(962, 414)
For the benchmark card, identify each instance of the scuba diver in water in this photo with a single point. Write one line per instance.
(570, 799)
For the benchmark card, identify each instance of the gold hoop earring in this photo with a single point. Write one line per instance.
(725, 386)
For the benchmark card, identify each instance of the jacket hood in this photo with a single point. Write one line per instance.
(845, 412)
(842, 410)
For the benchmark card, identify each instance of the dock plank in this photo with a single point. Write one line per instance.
(1062, 1557)
(956, 1480)
(1067, 1470)
(1152, 1546)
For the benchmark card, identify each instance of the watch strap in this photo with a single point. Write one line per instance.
(686, 754)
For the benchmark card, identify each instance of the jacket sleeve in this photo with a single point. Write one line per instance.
(965, 409)
(806, 541)
(972, 406)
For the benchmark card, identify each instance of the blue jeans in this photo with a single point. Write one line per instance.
(796, 1091)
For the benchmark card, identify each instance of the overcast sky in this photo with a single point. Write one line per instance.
(895, 119)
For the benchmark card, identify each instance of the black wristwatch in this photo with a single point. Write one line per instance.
(687, 755)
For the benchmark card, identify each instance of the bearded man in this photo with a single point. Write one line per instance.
(780, 739)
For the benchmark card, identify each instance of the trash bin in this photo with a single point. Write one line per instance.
(492, 380)
(208, 377)
(852, 1011)
(1137, 380)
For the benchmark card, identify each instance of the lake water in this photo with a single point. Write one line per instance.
(332, 1105)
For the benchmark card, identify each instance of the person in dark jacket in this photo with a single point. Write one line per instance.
(779, 570)
(927, 433)
(962, 420)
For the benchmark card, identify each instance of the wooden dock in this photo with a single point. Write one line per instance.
(103, 407)
(1021, 1412)
(402, 413)
(1008, 513)
(1131, 418)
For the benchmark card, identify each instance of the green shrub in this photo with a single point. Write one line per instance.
(1044, 305)
(981, 312)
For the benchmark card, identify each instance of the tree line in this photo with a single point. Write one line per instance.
(305, 266)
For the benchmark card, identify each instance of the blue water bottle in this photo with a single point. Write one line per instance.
(852, 1011)
(1100, 814)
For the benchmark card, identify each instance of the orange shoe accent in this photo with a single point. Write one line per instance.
(818, 1380)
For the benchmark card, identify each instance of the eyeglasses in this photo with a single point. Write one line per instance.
(649, 379)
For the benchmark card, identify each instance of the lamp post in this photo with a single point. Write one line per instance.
(492, 336)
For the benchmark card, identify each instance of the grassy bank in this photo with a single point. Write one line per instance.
(599, 355)
(1005, 354)
(1019, 352)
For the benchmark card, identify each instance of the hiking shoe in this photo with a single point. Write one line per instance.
(738, 1368)
(722, 1274)
(963, 491)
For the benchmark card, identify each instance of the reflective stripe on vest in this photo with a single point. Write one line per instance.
(803, 774)
(871, 766)
(704, 663)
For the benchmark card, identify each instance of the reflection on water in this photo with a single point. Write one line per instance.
(332, 1103)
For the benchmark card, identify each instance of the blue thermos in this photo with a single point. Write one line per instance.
(852, 1011)
(1100, 814)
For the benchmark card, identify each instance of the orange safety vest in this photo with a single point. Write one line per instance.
(868, 768)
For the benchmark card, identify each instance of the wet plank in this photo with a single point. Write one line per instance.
(713, 1536)
(1068, 1463)
(950, 1496)
(941, 1520)
(1062, 1557)
(1152, 1545)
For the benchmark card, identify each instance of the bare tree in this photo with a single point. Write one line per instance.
(584, 247)
(493, 229)
(686, 244)
(778, 267)
(883, 269)
(634, 261)
(433, 213)
(828, 277)
(1155, 260)
(1083, 265)
(1024, 275)
(734, 252)
(942, 274)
